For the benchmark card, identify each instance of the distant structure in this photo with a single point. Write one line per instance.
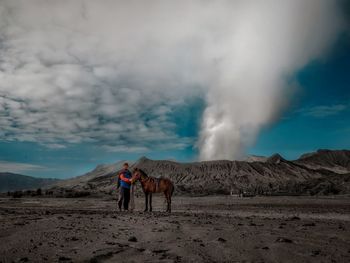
(233, 192)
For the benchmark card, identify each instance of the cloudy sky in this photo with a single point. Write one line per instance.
(90, 82)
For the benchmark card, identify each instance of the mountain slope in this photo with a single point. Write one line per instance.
(226, 176)
(333, 184)
(12, 182)
(276, 159)
(255, 158)
(101, 179)
(273, 175)
(276, 175)
(337, 161)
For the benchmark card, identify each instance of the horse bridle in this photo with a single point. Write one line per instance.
(139, 176)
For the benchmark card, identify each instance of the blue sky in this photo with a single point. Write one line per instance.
(319, 113)
(73, 95)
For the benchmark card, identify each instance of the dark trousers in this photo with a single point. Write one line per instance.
(124, 198)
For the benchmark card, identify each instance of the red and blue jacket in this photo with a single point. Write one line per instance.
(124, 178)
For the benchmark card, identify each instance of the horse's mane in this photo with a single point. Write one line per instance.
(142, 172)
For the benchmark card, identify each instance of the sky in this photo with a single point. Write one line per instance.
(319, 115)
(117, 81)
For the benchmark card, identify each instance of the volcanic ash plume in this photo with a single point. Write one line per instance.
(264, 45)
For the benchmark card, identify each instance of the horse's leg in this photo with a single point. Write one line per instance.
(167, 200)
(171, 191)
(169, 195)
(150, 202)
(146, 199)
(169, 203)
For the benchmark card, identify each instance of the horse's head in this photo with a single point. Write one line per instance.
(138, 174)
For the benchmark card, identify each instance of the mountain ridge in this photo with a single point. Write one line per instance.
(12, 182)
(274, 175)
(334, 160)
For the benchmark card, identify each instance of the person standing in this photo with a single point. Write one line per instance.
(124, 182)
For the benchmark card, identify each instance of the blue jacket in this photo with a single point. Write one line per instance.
(124, 178)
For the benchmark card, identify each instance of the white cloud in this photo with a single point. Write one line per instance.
(86, 75)
(125, 148)
(15, 167)
(55, 146)
(323, 111)
(110, 72)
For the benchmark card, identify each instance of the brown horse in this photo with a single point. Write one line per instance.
(154, 185)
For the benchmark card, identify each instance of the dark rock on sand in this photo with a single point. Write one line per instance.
(294, 218)
(283, 240)
(63, 258)
(132, 239)
(309, 224)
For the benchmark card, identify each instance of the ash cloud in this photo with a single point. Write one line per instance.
(268, 42)
(112, 72)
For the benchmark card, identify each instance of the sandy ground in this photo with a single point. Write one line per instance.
(200, 229)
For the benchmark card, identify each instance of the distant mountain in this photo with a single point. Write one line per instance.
(322, 172)
(276, 159)
(255, 158)
(102, 179)
(337, 161)
(13, 182)
(275, 175)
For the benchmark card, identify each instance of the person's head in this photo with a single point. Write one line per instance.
(126, 166)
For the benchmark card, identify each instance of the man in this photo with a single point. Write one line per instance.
(124, 182)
